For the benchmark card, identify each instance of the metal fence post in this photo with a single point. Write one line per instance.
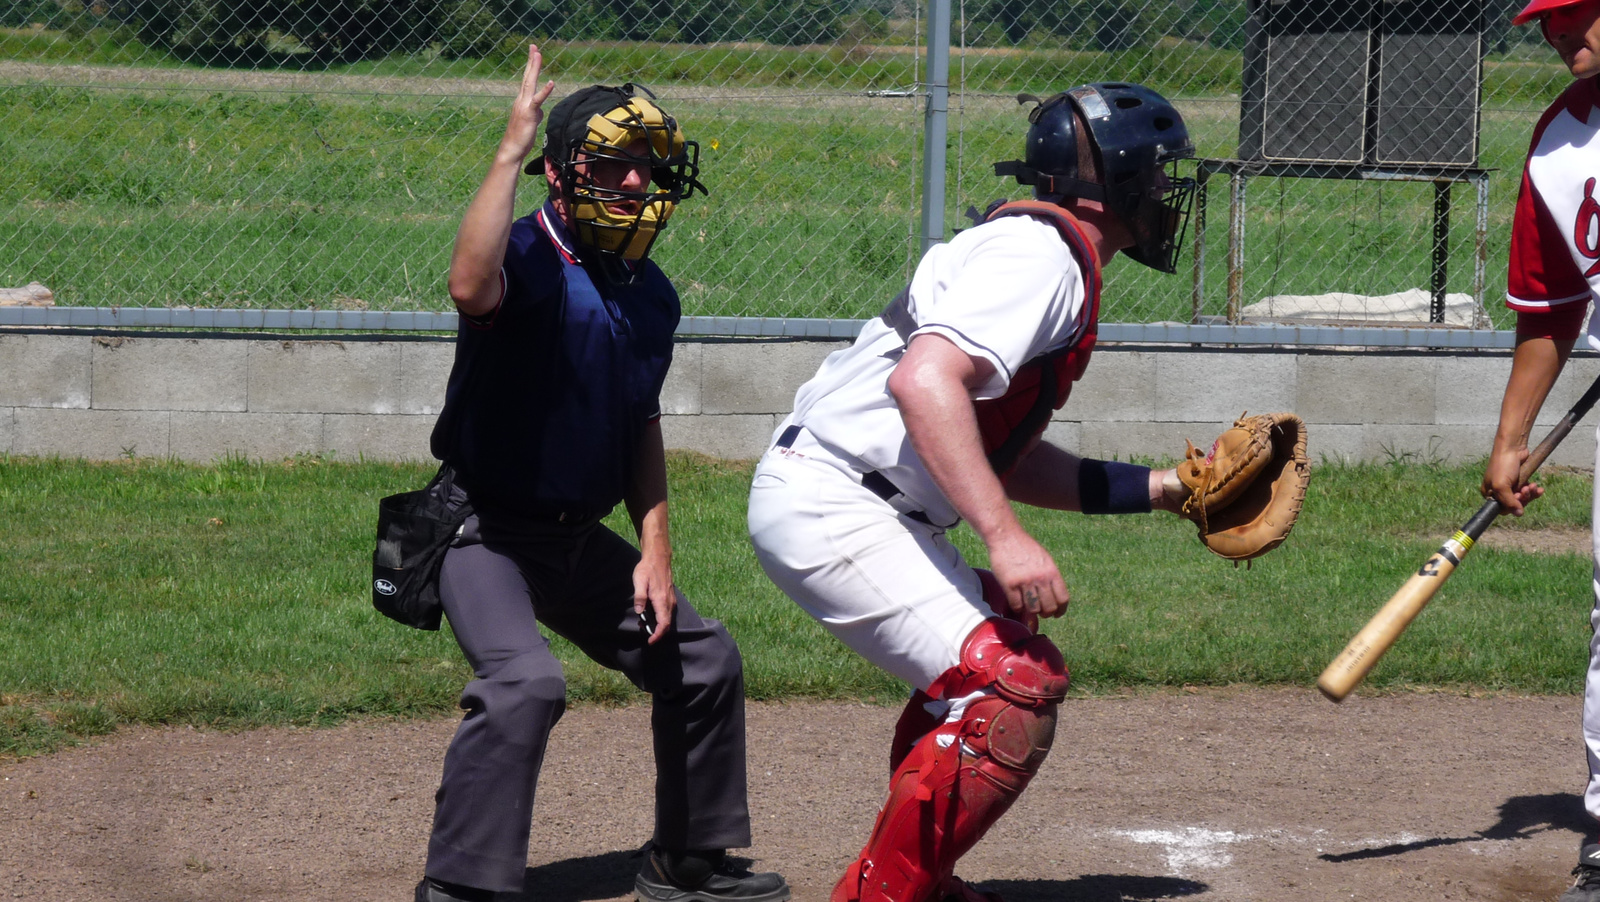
(1202, 179)
(936, 123)
(1236, 219)
(1439, 282)
(1480, 251)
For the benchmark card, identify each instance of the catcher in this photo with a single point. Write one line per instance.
(934, 416)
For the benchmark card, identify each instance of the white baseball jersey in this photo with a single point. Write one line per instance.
(1555, 236)
(1005, 291)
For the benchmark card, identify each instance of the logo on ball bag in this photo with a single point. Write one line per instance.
(415, 530)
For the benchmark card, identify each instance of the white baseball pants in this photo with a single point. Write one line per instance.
(891, 588)
(1591, 680)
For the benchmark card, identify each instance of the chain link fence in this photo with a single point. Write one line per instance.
(317, 154)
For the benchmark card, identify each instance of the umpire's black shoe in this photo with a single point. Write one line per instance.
(1586, 883)
(703, 877)
(430, 890)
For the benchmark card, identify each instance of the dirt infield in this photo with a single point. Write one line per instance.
(1210, 795)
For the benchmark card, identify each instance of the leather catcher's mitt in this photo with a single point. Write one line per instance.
(1246, 494)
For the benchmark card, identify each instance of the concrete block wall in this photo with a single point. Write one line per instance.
(102, 397)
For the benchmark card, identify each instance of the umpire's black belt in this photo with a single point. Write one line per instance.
(873, 481)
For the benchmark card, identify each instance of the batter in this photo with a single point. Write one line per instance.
(1553, 274)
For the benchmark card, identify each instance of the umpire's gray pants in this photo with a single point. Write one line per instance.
(579, 583)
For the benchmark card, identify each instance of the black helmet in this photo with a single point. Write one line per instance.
(1135, 135)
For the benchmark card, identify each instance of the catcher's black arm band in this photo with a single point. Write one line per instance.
(1112, 487)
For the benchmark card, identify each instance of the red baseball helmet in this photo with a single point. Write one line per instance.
(1538, 8)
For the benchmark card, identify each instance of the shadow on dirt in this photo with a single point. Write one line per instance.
(1520, 817)
(603, 876)
(610, 874)
(1096, 888)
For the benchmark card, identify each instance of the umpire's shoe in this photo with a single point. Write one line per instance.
(1586, 885)
(431, 890)
(703, 877)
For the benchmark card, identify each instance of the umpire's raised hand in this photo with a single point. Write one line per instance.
(486, 227)
(527, 111)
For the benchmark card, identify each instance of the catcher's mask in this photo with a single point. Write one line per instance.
(597, 125)
(1137, 139)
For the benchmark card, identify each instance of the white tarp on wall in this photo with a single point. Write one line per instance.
(1411, 306)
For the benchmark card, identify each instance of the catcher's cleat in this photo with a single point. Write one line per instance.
(703, 877)
(1586, 877)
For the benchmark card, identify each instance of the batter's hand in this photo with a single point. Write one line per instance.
(1029, 575)
(527, 110)
(1500, 481)
(653, 591)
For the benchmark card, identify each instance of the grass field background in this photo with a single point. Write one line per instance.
(139, 181)
(235, 595)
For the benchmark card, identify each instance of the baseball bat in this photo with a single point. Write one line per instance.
(1385, 627)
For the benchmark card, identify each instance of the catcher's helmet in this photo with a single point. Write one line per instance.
(598, 123)
(1136, 138)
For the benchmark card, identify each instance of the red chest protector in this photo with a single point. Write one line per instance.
(1010, 423)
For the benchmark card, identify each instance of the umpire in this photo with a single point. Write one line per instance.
(551, 417)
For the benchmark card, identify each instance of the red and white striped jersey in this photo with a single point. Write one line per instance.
(1555, 235)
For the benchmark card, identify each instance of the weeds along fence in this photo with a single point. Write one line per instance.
(317, 155)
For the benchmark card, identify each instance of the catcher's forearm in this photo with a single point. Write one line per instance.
(1056, 479)
(1046, 476)
(1113, 487)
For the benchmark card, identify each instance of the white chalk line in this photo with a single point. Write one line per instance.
(1187, 850)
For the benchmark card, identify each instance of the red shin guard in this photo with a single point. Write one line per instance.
(915, 721)
(956, 781)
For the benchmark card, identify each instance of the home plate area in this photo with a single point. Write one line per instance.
(1225, 794)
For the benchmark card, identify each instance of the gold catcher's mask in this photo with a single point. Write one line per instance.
(597, 125)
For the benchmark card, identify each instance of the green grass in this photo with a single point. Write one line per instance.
(98, 46)
(1174, 67)
(235, 595)
(221, 189)
(875, 65)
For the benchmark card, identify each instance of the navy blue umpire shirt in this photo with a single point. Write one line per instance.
(551, 391)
